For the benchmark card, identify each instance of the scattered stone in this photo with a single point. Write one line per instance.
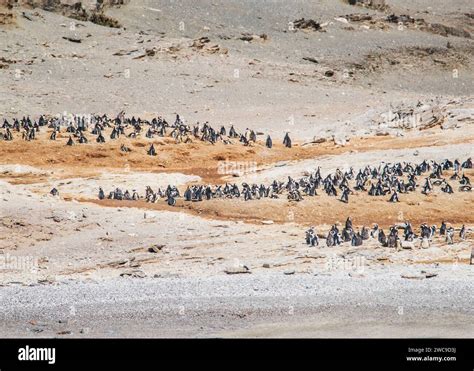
(251, 37)
(307, 24)
(443, 30)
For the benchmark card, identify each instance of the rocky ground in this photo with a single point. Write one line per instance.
(357, 87)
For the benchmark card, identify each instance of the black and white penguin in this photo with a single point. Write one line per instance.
(269, 143)
(151, 151)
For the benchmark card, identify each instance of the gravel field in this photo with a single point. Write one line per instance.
(379, 304)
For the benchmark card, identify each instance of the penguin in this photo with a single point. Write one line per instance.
(70, 142)
(467, 164)
(356, 240)
(100, 138)
(330, 239)
(311, 237)
(382, 238)
(151, 151)
(101, 193)
(124, 148)
(462, 232)
(442, 229)
(364, 233)
(54, 192)
(269, 143)
(171, 201)
(447, 188)
(188, 194)
(394, 197)
(392, 238)
(287, 141)
(450, 236)
(345, 196)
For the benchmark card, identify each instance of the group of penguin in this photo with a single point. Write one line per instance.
(375, 180)
(78, 126)
(393, 240)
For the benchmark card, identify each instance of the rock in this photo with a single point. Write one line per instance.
(430, 275)
(288, 272)
(310, 59)
(266, 265)
(134, 264)
(237, 270)
(329, 73)
(342, 20)
(267, 222)
(309, 24)
(250, 37)
(72, 39)
(47, 280)
(315, 140)
(155, 248)
(134, 273)
(409, 245)
(356, 275)
(65, 332)
(413, 276)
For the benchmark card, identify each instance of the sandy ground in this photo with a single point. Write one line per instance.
(76, 266)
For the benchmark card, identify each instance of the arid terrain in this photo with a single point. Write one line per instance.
(362, 85)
